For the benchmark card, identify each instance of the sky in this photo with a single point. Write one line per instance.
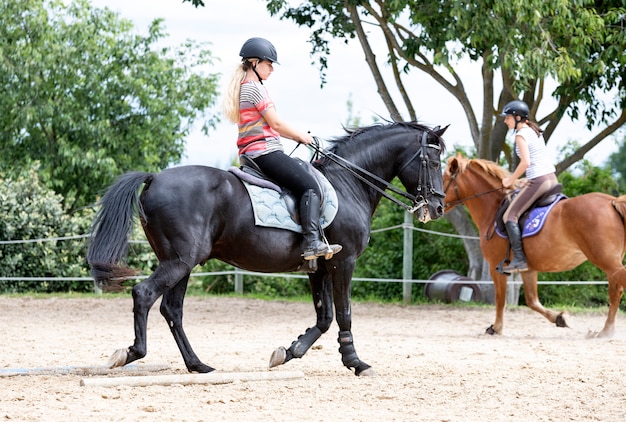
(295, 84)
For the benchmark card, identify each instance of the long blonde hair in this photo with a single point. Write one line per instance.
(230, 104)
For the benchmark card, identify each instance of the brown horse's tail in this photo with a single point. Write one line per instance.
(111, 230)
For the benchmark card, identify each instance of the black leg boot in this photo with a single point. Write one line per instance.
(519, 258)
(310, 219)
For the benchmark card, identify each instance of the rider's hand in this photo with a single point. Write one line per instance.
(306, 139)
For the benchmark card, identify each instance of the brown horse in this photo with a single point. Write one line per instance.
(586, 227)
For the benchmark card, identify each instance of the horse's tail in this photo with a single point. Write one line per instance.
(111, 230)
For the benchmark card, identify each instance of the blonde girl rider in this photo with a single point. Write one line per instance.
(247, 103)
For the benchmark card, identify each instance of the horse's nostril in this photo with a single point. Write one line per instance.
(440, 211)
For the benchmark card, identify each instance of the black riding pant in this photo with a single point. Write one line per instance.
(287, 173)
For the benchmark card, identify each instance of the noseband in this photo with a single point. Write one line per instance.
(419, 199)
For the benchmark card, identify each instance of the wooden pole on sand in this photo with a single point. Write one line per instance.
(186, 379)
(83, 370)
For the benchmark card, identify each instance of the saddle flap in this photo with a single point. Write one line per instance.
(547, 200)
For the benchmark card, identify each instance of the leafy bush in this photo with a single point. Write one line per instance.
(383, 257)
(31, 211)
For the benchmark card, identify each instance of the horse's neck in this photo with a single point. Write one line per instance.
(483, 208)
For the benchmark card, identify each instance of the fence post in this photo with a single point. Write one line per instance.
(238, 281)
(407, 257)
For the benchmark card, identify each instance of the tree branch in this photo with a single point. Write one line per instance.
(370, 58)
(580, 152)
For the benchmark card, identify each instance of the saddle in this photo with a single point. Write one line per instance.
(531, 221)
(547, 200)
(270, 201)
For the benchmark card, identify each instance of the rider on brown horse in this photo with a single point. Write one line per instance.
(540, 174)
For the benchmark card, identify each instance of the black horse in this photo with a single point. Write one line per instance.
(191, 214)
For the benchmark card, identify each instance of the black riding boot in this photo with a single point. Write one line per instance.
(310, 219)
(519, 259)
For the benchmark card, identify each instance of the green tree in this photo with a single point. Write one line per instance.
(523, 46)
(617, 161)
(89, 99)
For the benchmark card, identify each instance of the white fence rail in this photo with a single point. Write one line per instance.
(407, 226)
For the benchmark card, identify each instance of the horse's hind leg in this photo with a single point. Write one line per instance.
(172, 311)
(616, 282)
(144, 296)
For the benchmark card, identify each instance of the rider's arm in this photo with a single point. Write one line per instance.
(271, 117)
(524, 162)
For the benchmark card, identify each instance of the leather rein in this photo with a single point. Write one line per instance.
(418, 200)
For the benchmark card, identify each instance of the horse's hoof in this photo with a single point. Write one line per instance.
(118, 358)
(490, 330)
(369, 372)
(560, 321)
(278, 357)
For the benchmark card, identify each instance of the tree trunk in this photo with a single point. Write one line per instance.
(464, 226)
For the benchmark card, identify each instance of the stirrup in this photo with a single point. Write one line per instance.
(326, 250)
(516, 267)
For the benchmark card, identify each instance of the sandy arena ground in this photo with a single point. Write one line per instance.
(433, 362)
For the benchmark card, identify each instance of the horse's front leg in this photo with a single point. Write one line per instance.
(533, 302)
(172, 311)
(321, 288)
(499, 287)
(343, 308)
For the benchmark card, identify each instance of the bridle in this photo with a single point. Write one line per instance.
(418, 200)
(460, 200)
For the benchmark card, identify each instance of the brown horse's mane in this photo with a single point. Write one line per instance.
(493, 172)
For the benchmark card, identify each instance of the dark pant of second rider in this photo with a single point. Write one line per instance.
(291, 174)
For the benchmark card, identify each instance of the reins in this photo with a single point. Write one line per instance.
(360, 173)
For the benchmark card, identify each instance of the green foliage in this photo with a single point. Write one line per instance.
(617, 161)
(31, 211)
(383, 257)
(578, 44)
(89, 99)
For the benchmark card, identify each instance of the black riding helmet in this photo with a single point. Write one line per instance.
(516, 108)
(259, 48)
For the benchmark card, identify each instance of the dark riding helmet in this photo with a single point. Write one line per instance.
(516, 108)
(259, 48)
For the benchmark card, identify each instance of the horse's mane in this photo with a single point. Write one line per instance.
(496, 172)
(352, 133)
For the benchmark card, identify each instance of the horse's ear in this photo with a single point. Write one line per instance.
(439, 131)
(453, 165)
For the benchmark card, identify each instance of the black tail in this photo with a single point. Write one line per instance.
(111, 230)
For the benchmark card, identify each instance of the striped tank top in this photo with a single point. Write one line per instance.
(256, 137)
